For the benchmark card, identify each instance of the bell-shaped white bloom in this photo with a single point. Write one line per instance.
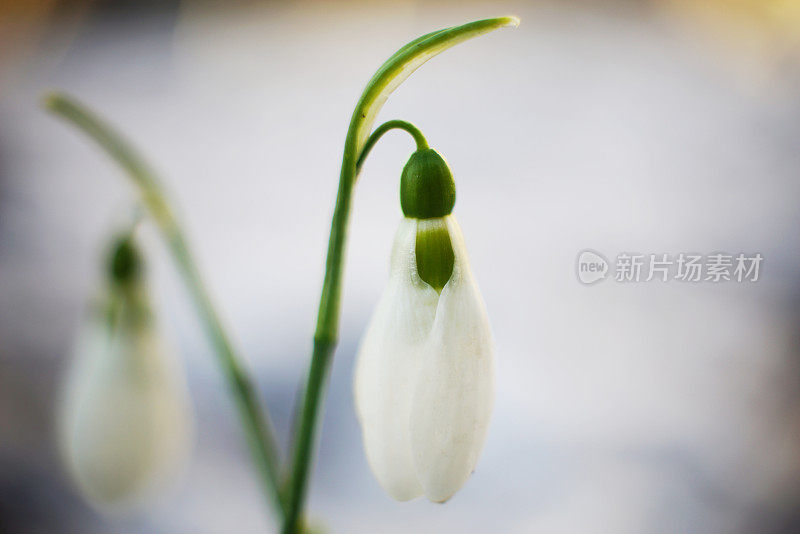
(125, 424)
(424, 375)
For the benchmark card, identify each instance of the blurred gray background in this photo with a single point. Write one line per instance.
(651, 127)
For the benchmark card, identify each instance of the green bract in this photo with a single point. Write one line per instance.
(394, 72)
(427, 189)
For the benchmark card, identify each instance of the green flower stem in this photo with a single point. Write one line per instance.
(255, 420)
(422, 143)
(388, 77)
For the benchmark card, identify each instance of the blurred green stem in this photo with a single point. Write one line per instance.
(255, 420)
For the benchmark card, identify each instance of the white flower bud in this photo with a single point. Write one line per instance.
(424, 375)
(125, 423)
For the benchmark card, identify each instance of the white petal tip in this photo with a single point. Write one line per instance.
(404, 497)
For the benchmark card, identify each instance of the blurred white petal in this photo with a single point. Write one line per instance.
(126, 423)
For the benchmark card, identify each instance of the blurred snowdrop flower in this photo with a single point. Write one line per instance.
(424, 375)
(125, 425)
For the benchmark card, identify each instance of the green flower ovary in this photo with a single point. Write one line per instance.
(427, 189)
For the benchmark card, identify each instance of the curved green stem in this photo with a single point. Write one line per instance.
(391, 74)
(422, 143)
(257, 426)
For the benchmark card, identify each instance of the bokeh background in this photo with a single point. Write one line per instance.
(656, 127)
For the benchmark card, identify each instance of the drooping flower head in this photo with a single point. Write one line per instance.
(125, 421)
(424, 373)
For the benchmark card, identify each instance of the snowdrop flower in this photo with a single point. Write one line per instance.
(424, 375)
(125, 425)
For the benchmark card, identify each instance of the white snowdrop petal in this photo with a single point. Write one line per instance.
(126, 423)
(387, 364)
(454, 392)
